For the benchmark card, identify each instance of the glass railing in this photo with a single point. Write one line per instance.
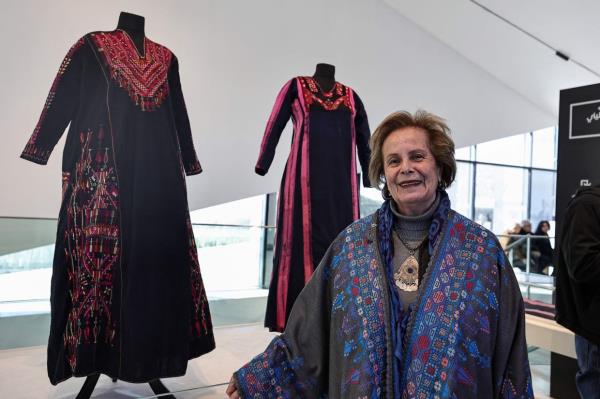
(532, 260)
(232, 261)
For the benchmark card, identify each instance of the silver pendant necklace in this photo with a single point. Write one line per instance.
(407, 275)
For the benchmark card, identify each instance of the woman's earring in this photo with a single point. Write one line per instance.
(385, 192)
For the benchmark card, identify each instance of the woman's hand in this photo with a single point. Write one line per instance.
(232, 391)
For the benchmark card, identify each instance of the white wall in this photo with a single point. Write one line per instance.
(234, 56)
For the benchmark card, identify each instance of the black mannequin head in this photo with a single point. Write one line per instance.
(134, 26)
(325, 76)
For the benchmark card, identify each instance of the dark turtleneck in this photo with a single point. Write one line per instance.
(133, 25)
(325, 76)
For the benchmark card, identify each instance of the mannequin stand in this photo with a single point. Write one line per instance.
(90, 383)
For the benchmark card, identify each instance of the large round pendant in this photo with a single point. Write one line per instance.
(407, 276)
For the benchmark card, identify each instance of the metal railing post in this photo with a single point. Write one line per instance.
(527, 265)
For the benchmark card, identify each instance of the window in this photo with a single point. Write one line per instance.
(501, 195)
(461, 191)
(246, 212)
(543, 153)
(464, 153)
(515, 180)
(513, 150)
(370, 201)
(230, 240)
(543, 196)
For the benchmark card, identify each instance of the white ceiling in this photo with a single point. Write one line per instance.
(511, 56)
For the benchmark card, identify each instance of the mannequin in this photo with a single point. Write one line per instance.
(319, 189)
(133, 25)
(325, 76)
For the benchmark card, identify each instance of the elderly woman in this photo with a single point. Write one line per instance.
(413, 301)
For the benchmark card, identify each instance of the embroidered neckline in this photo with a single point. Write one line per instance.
(330, 100)
(145, 78)
(326, 93)
(132, 43)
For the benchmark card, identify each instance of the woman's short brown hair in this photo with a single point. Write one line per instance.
(440, 144)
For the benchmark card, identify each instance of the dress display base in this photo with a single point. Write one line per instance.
(90, 383)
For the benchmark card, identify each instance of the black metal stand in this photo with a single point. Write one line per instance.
(88, 386)
(158, 388)
(90, 383)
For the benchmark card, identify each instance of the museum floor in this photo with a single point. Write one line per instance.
(23, 370)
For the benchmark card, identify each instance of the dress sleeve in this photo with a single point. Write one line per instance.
(363, 134)
(511, 372)
(60, 108)
(281, 113)
(296, 363)
(182, 123)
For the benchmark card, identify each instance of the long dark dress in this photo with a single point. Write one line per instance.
(319, 193)
(127, 298)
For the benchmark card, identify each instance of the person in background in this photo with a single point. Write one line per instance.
(578, 285)
(541, 249)
(525, 228)
(505, 238)
(413, 301)
(520, 250)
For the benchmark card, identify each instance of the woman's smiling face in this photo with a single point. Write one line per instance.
(410, 170)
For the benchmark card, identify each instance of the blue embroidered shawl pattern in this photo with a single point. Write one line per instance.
(338, 328)
(466, 337)
(468, 331)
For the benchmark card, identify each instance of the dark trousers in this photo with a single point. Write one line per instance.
(588, 376)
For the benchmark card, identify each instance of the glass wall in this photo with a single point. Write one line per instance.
(512, 150)
(370, 201)
(543, 195)
(231, 241)
(501, 196)
(461, 191)
(502, 182)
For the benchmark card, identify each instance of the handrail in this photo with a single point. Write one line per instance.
(515, 243)
(234, 225)
(538, 285)
(523, 235)
(509, 250)
(33, 219)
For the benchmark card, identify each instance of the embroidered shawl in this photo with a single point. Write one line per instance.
(465, 338)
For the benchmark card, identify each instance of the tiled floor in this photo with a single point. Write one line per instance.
(23, 371)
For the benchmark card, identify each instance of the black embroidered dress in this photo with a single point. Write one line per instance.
(127, 298)
(318, 196)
